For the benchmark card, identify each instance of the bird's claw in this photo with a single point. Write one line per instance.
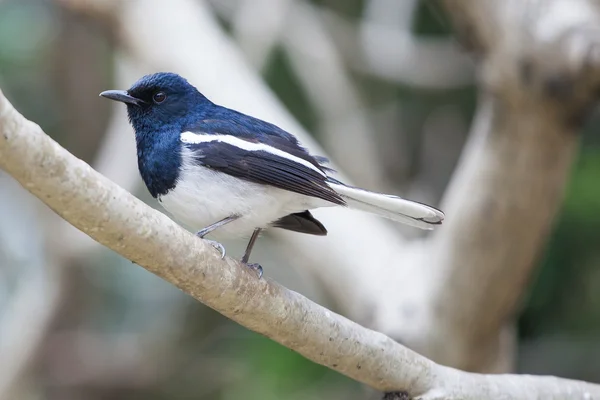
(257, 268)
(217, 246)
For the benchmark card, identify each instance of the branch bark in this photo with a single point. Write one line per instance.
(116, 219)
(452, 297)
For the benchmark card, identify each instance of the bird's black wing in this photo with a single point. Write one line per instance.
(231, 122)
(260, 161)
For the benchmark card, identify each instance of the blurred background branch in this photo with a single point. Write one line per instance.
(31, 286)
(391, 50)
(521, 150)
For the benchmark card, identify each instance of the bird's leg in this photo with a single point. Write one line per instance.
(246, 257)
(205, 231)
(253, 238)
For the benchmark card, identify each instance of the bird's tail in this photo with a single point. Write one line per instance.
(388, 206)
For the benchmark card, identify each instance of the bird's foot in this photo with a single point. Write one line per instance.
(217, 246)
(256, 268)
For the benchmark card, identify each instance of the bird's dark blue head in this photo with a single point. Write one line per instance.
(161, 101)
(159, 106)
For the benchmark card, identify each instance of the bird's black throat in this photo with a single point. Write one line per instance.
(159, 160)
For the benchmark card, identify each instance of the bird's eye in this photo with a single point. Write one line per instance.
(159, 97)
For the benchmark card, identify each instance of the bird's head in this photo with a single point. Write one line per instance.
(160, 101)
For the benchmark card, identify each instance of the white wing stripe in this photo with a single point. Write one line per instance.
(195, 138)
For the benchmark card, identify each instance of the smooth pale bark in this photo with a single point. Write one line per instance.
(116, 219)
(452, 297)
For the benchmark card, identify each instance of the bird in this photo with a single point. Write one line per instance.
(229, 175)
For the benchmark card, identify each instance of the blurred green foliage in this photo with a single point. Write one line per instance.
(27, 30)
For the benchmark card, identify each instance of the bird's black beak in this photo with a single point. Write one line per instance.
(123, 96)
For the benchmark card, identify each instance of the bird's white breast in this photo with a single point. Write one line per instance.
(203, 196)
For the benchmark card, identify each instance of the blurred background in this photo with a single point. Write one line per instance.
(379, 79)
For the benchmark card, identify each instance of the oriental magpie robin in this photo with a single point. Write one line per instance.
(233, 175)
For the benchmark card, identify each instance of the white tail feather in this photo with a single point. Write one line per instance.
(392, 207)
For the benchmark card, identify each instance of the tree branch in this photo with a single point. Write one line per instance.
(539, 77)
(116, 219)
(113, 217)
(539, 81)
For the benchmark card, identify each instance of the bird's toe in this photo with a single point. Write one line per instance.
(256, 268)
(217, 246)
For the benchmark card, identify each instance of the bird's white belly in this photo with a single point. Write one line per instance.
(203, 196)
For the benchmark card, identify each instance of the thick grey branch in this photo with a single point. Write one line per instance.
(537, 61)
(113, 217)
